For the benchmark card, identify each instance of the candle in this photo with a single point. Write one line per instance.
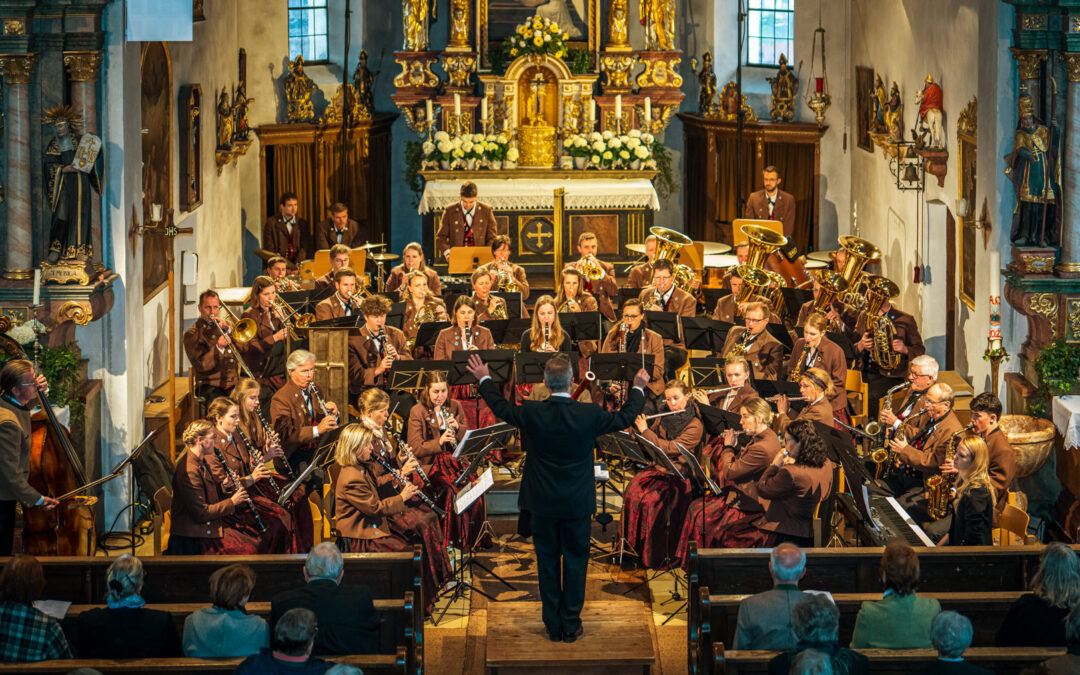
(618, 107)
(483, 109)
(457, 105)
(819, 83)
(995, 297)
(37, 287)
(155, 213)
(428, 110)
(648, 109)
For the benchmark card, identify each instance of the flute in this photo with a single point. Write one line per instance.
(790, 398)
(257, 455)
(403, 480)
(236, 481)
(669, 412)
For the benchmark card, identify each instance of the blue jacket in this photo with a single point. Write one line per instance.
(216, 632)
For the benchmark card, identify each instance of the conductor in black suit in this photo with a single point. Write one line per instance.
(558, 488)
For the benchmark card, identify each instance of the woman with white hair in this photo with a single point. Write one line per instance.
(951, 633)
(1037, 619)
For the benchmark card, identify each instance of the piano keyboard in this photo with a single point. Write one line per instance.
(893, 521)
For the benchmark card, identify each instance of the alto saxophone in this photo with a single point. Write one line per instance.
(797, 371)
(742, 347)
(885, 456)
(939, 488)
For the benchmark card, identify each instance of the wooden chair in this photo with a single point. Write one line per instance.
(858, 396)
(1012, 527)
(162, 519)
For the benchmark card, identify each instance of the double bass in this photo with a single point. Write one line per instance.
(55, 471)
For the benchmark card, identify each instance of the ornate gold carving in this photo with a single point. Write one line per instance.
(458, 67)
(80, 313)
(14, 27)
(728, 110)
(617, 68)
(618, 15)
(1028, 61)
(459, 26)
(968, 121)
(1034, 22)
(459, 124)
(1074, 24)
(333, 112)
(64, 272)
(609, 120)
(18, 68)
(1045, 304)
(1073, 319)
(537, 145)
(661, 117)
(660, 73)
(416, 72)
(658, 17)
(83, 66)
(415, 24)
(1072, 66)
(1037, 264)
(298, 88)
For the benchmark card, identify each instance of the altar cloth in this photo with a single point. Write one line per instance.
(518, 194)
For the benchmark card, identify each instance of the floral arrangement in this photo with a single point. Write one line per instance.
(537, 36)
(605, 150)
(468, 151)
(27, 332)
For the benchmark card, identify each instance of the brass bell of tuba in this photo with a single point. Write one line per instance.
(761, 242)
(669, 244)
(882, 330)
(859, 253)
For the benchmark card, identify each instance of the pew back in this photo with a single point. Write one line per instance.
(371, 664)
(1000, 660)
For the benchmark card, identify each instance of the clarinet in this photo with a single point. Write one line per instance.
(236, 481)
(273, 437)
(257, 455)
(408, 454)
(322, 404)
(401, 479)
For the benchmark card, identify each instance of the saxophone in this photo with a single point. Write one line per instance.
(939, 488)
(885, 456)
(874, 428)
(742, 347)
(797, 371)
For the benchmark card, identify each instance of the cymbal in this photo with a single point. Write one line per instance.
(813, 264)
(721, 260)
(713, 247)
(636, 248)
(367, 246)
(384, 257)
(823, 256)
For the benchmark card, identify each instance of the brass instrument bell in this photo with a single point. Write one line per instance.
(761, 242)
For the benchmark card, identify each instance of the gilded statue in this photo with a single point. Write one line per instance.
(241, 128)
(618, 17)
(415, 13)
(707, 80)
(785, 89)
(73, 171)
(659, 19)
(459, 23)
(1034, 166)
(364, 82)
(536, 100)
(877, 122)
(225, 120)
(298, 88)
(894, 115)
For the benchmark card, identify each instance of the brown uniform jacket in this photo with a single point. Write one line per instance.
(397, 279)
(291, 419)
(360, 507)
(640, 275)
(726, 310)
(1002, 465)
(765, 356)
(828, 357)
(743, 470)
(793, 491)
(452, 227)
(688, 437)
(482, 313)
(906, 331)
(15, 447)
(326, 236)
(820, 411)
(325, 280)
(257, 351)
(408, 323)
(516, 271)
(449, 341)
(331, 308)
(651, 343)
(757, 208)
(424, 432)
(276, 238)
(680, 302)
(213, 366)
(847, 316)
(928, 460)
(364, 358)
(604, 289)
(199, 501)
(586, 302)
(717, 399)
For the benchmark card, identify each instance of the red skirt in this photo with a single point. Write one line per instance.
(654, 509)
(241, 534)
(841, 415)
(296, 513)
(461, 530)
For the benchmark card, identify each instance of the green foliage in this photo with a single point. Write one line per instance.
(581, 61)
(60, 366)
(414, 156)
(665, 182)
(498, 57)
(1058, 368)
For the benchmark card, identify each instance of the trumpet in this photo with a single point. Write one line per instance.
(591, 268)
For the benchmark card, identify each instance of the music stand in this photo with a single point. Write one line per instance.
(712, 296)
(706, 372)
(302, 301)
(396, 316)
(581, 325)
(620, 366)
(500, 363)
(428, 333)
(513, 303)
(780, 332)
(626, 294)
(795, 298)
(507, 331)
(408, 375)
(842, 450)
(664, 323)
(717, 421)
(465, 259)
(529, 366)
(704, 333)
(337, 322)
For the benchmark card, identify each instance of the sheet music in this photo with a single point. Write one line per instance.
(469, 494)
(54, 608)
(600, 472)
(464, 440)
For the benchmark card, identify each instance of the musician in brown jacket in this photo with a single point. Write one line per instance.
(296, 413)
(726, 310)
(412, 260)
(907, 343)
(264, 352)
(373, 352)
(798, 479)
(631, 337)
(815, 387)
(737, 375)
(816, 350)
(836, 311)
(764, 353)
(487, 305)
(641, 274)
(210, 353)
(606, 288)
(343, 302)
(285, 234)
(340, 257)
(921, 452)
(500, 247)
(922, 374)
(772, 203)
(985, 416)
(466, 222)
(339, 228)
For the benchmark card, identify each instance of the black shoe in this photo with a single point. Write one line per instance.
(554, 637)
(572, 637)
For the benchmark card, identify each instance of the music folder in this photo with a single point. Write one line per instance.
(657, 456)
(624, 445)
(698, 475)
(428, 333)
(507, 331)
(396, 316)
(780, 332)
(795, 298)
(716, 421)
(706, 372)
(664, 323)
(408, 375)
(619, 366)
(713, 295)
(769, 388)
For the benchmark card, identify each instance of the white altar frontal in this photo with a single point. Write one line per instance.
(616, 206)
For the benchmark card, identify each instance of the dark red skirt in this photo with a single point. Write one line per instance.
(296, 514)
(277, 520)
(461, 530)
(654, 508)
(841, 415)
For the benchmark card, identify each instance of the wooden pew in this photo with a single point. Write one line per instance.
(1000, 660)
(370, 663)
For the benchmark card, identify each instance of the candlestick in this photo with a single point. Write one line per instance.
(429, 111)
(37, 287)
(457, 105)
(648, 111)
(592, 109)
(618, 108)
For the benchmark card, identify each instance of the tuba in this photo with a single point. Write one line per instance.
(859, 252)
(761, 242)
(882, 330)
(773, 293)
(830, 286)
(668, 245)
(939, 488)
(754, 282)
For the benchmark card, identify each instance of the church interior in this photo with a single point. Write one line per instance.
(837, 235)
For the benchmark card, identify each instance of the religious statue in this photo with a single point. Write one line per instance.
(930, 116)
(707, 79)
(364, 82)
(785, 89)
(298, 88)
(73, 174)
(225, 120)
(1034, 166)
(731, 103)
(415, 14)
(241, 129)
(459, 24)
(536, 101)
(894, 115)
(658, 17)
(877, 122)
(618, 15)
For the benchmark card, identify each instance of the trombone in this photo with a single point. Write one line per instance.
(286, 314)
(236, 331)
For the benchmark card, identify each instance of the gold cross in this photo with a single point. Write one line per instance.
(538, 236)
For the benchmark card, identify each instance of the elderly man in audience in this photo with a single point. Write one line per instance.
(765, 618)
(348, 623)
(126, 629)
(293, 641)
(1069, 662)
(27, 634)
(900, 620)
(816, 621)
(225, 629)
(1037, 619)
(951, 634)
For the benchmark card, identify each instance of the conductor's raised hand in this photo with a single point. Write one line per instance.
(477, 367)
(641, 378)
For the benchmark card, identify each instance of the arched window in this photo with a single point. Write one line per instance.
(307, 30)
(770, 32)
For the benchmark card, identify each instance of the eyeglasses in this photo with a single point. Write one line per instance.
(631, 316)
(749, 320)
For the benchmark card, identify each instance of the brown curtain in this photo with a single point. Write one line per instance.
(727, 201)
(795, 161)
(293, 171)
(355, 194)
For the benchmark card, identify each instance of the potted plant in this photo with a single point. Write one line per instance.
(442, 151)
(578, 147)
(495, 148)
(1058, 368)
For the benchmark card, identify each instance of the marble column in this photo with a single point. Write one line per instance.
(83, 69)
(1069, 261)
(1029, 62)
(18, 70)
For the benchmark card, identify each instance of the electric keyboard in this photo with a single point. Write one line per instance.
(891, 521)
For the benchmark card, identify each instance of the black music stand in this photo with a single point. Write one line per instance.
(712, 296)
(768, 388)
(500, 363)
(507, 331)
(717, 421)
(706, 372)
(620, 366)
(624, 295)
(513, 303)
(529, 366)
(396, 316)
(780, 332)
(795, 298)
(664, 323)
(304, 301)
(339, 322)
(581, 325)
(428, 333)
(705, 334)
(842, 450)
(654, 455)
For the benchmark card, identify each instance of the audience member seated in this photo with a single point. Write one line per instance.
(1037, 619)
(27, 634)
(951, 634)
(225, 629)
(344, 669)
(816, 621)
(811, 662)
(900, 620)
(290, 653)
(126, 629)
(348, 623)
(1069, 662)
(765, 618)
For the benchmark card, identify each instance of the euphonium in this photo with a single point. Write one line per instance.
(859, 252)
(761, 243)
(591, 268)
(668, 246)
(939, 488)
(754, 282)
(882, 330)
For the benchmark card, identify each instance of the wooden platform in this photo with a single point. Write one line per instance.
(616, 640)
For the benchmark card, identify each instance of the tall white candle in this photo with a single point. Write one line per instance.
(994, 263)
(428, 110)
(592, 109)
(648, 109)
(37, 287)
(483, 109)
(457, 104)
(618, 107)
